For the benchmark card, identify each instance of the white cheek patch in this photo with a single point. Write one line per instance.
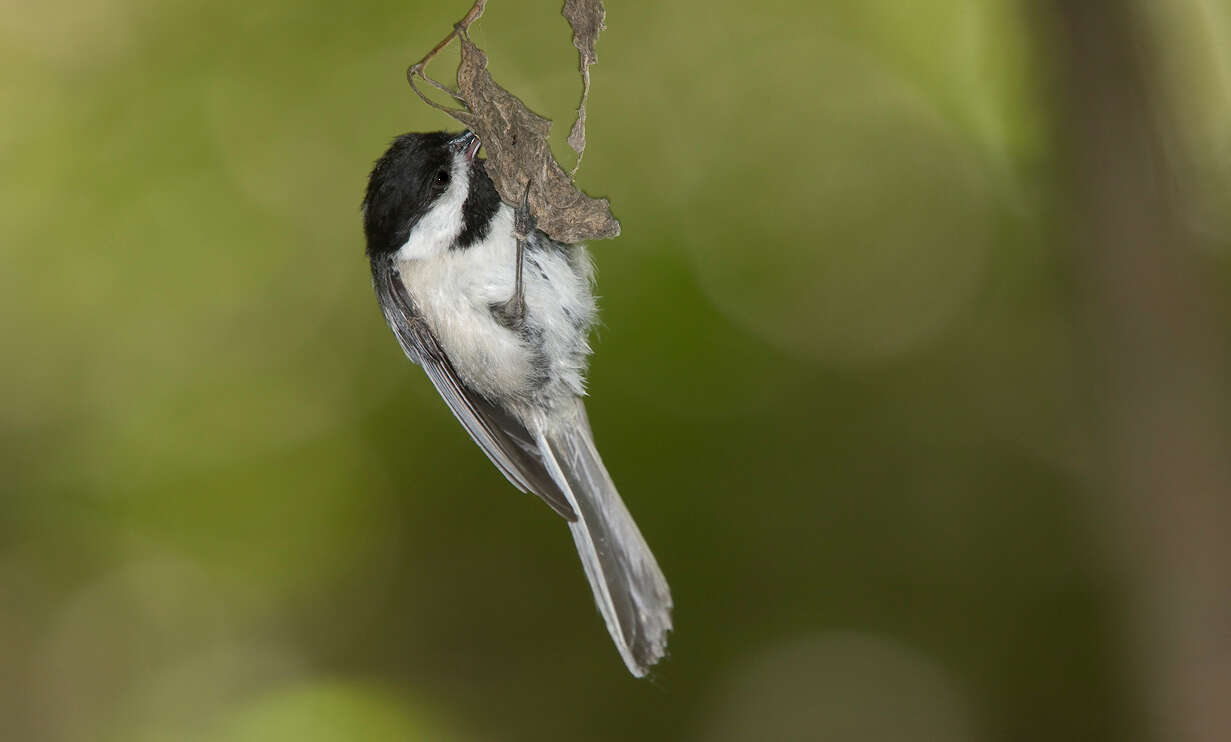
(443, 222)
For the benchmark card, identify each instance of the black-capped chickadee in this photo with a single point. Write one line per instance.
(497, 313)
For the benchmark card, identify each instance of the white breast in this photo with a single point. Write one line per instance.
(456, 289)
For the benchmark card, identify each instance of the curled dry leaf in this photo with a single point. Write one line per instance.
(515, 141)
(515, 138)
(587, 18)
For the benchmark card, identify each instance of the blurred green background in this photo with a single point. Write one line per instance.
(839, 380)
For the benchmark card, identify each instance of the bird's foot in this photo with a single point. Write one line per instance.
(512, 313)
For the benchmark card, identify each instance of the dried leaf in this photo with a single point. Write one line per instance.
(577, 134)
(515, 141)
(586, 18)
(515, 138)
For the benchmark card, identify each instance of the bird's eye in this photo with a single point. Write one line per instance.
(442, 179)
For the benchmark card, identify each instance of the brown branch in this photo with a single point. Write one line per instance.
(460, 27)
(419, 69)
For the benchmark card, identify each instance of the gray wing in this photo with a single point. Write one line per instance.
(502, 437)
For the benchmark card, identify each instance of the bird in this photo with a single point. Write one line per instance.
(498, 315)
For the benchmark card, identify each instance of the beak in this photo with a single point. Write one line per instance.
(467, 144)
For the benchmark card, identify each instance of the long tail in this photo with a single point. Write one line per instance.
(629, 588)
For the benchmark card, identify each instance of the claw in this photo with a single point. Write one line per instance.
(524, 222)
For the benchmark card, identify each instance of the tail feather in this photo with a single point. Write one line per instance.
(629, 588)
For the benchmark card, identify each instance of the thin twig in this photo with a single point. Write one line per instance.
(410, 78)
(417, 69)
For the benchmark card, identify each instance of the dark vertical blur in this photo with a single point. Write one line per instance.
(1148, 292)
(912, 370)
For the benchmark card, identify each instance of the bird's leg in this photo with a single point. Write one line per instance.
(512, 313)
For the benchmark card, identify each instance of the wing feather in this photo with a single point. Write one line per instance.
(502, 436)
